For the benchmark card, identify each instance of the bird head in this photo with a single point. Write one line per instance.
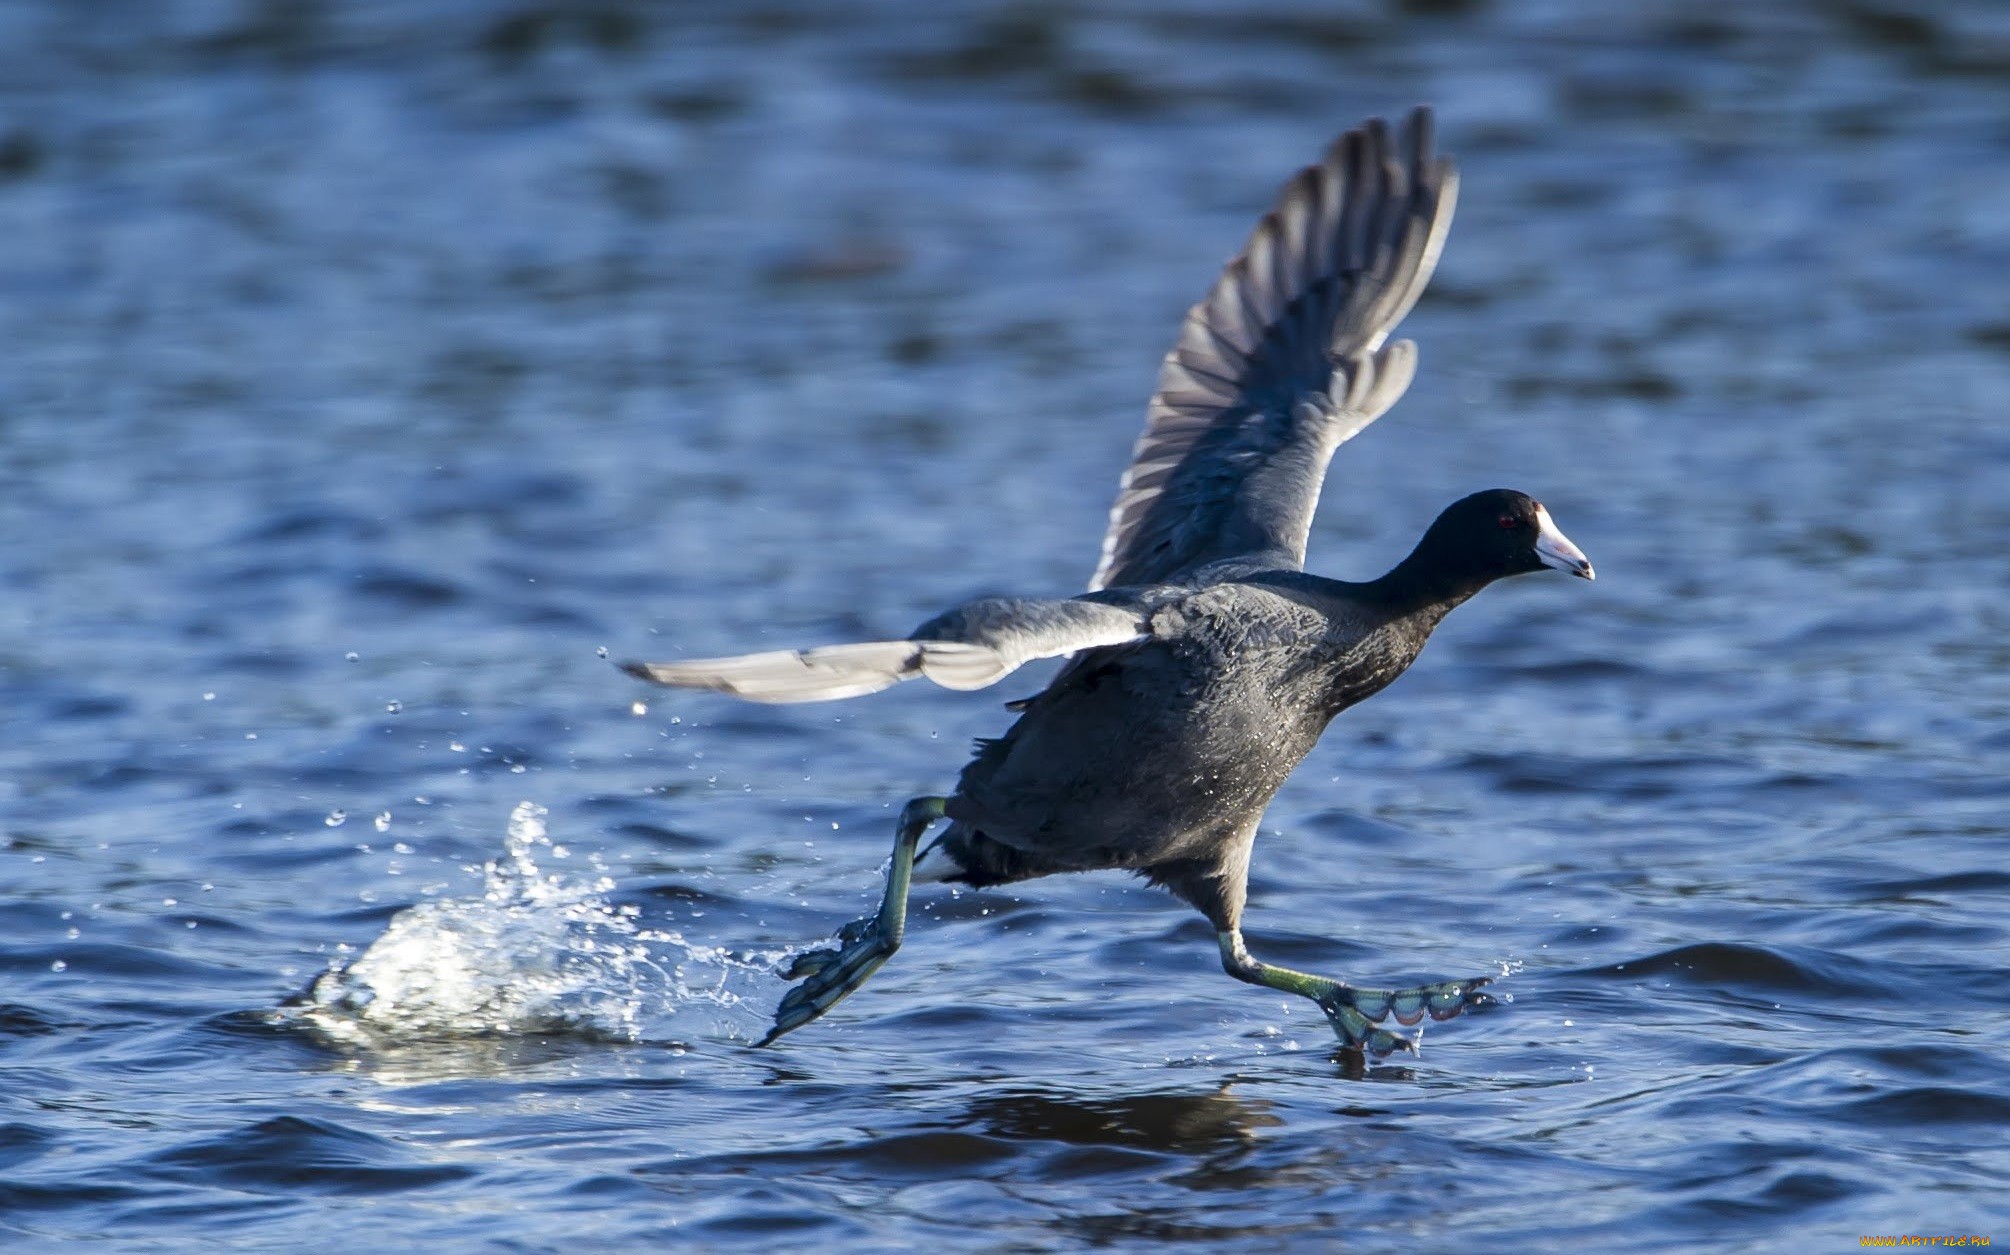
(1501, 532)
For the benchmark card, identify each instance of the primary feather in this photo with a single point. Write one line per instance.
(1284, 360)
(971, 647)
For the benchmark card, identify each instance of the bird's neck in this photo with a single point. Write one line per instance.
(1422, 592)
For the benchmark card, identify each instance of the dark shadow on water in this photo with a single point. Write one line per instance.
(1088, 1168)
(1185, 1124)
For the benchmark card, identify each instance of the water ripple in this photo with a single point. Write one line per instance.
(294, 1155)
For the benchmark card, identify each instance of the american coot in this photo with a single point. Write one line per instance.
(1205, 661)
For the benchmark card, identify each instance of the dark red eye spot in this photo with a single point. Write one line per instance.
(1509, 522)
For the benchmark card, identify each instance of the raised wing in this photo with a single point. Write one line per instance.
(1284, 360)
(970, 647)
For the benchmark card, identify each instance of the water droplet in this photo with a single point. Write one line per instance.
(638, 708)
(517, 770)
(336, 818)
(59, 966)
(251, 736)
(393, 707)
(170, 902)
(383, 821)
(600, 651)
(457, 747)
(209, 697)
(351, 656)
(401, 848)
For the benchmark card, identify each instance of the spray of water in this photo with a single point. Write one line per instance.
(538, 952)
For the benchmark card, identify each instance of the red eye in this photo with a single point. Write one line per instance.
(1509, 522)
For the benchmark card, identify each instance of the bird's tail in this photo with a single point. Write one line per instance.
(965, 856)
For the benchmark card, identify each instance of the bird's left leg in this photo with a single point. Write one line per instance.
(828, 976)
(1355, 1013)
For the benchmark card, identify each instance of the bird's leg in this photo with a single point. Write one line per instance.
(828, 976)
(1354, 1013)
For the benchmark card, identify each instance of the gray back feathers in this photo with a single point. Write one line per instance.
(1284, 360)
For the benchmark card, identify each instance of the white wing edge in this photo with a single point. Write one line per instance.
(838, 671)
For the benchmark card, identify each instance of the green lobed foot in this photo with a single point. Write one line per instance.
(829, 976)
(1354, 1013)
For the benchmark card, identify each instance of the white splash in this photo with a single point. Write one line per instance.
(538, 952)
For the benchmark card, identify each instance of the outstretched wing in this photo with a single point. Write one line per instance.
(974, 645)
(1284, 360)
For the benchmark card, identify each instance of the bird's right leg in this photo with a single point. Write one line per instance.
(1219, 888)
(829, 976)
(1355, 1013)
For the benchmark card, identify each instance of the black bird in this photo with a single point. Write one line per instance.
(1205, 662)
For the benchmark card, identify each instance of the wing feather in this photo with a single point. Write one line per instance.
(970, 647)
(1283, 360)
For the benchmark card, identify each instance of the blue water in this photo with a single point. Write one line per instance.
(369, 367)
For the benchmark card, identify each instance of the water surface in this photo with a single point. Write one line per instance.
(370, 367)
